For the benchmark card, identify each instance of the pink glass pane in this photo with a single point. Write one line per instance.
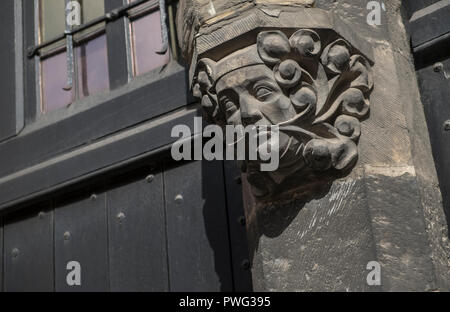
(54, 79)
(147, 40)
(93, 74)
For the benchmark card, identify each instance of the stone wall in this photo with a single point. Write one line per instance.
(387, 208)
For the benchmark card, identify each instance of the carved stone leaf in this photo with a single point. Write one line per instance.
(317, 96)
(360, 67)
(272, 46)
(306, 42)
(288, 73)
(336, 56)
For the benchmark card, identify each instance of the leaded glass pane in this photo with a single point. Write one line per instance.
(147, 40)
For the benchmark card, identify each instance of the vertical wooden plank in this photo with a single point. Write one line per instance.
(1, 254)
(28, 252)
(81, 235)
(137, 240)
(197, 228)
(435, 92)
(237, 223)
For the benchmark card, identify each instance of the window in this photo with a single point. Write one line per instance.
(90, 55)
(90, 67)
(145, 42)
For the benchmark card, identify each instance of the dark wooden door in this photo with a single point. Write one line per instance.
(429, 28)
(155, 228)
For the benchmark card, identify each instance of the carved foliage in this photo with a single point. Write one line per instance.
(323, 96)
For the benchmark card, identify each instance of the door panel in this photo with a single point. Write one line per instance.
(429, 29)
(238, 231)
(197, 229)
(81, 235)
(28, 252)
(167, 229)
(435, 90)
(137, 242)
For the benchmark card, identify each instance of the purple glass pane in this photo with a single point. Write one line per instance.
(147, 40)
(54, 78)
(93, 74)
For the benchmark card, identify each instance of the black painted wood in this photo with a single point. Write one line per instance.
(435, 91)
(8, 109)
(117, 47)
(430, 39)
(197, 229)
(43, 179)
(81, 235)
(432, 51)
(1, 255)
(237, 223)
(412, 6)
(137, 239)
(101, 120)
(28, 252)
(131, 249)
(432, 22)
(30, 104)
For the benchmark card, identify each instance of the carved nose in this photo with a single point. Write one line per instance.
(250, 119)
(250, 114)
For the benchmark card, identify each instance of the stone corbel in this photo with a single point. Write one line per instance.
(281, 63)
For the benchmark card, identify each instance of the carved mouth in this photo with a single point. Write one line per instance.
(289, 147)
(291, 144)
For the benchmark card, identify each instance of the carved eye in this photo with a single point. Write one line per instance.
(228, 105)
(263, 93)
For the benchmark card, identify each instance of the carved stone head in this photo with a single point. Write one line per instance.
(316, 90)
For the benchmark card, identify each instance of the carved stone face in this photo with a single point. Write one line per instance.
(316, 96)
(252, 96)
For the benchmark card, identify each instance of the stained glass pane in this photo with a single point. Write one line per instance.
(92, 59)
(52, 16)
(147, 40)
(52, 19)
(91, 56)
(92, 9)
(53, 80)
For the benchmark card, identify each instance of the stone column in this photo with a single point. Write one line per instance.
(356, 183)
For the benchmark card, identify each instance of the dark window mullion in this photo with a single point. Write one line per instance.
(117, 47)
(30, 83)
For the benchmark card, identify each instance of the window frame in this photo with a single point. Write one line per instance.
(133, 16)
(50, 137)
(119, 49)
(11, 79)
